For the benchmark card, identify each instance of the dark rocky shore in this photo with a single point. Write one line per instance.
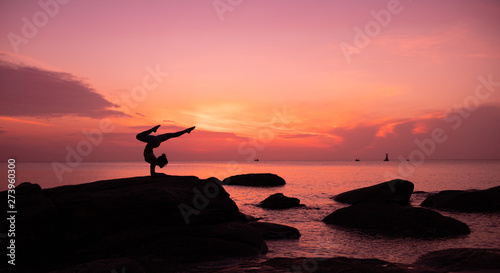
(179, 223)
(384, 208)
(155, 222)
(465, 201)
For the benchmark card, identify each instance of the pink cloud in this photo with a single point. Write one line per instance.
(473, 137)
(32, 92)
(298, 135)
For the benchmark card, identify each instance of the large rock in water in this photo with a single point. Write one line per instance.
(397, 220)
(270, 231)
(255, 180)
(395, 191)
(462, 259)
(280, 201)
(156, 221)
(466, 201)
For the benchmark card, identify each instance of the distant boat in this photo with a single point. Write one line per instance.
(386, 157)
(357, 159)
(256, 159)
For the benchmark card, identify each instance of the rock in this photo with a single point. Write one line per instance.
(270, 231)
(214, 179)
(28, 188)
(31, 203)
(280, 201)
(168, 200)
(466, 201)
(255, 180)
(462, 259)
(395, 191)
(156, 221)
(397, 220)
(238, 232)
(180, 245)
(251, 218)
(328, 265)
(117, 265)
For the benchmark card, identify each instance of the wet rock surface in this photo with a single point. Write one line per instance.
(280, 201)
(394, 191)
(397, 220)
(466, 201)
(255, 180)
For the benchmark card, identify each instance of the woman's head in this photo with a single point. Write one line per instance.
(161, 161)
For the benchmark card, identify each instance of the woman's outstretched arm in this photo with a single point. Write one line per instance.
(152, 169)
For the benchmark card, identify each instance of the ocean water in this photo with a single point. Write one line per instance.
(314, 182)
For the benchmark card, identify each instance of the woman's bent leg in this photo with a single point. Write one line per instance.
(145, 136)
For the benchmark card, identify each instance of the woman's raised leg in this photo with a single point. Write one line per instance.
(166, 136)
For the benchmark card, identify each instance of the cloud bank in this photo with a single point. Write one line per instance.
(32, 92)
(471, 136)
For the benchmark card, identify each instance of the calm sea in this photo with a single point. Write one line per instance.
(314, 182)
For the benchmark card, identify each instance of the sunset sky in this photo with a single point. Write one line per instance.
(277, 80)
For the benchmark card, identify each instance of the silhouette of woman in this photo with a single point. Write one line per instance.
(154, 142)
